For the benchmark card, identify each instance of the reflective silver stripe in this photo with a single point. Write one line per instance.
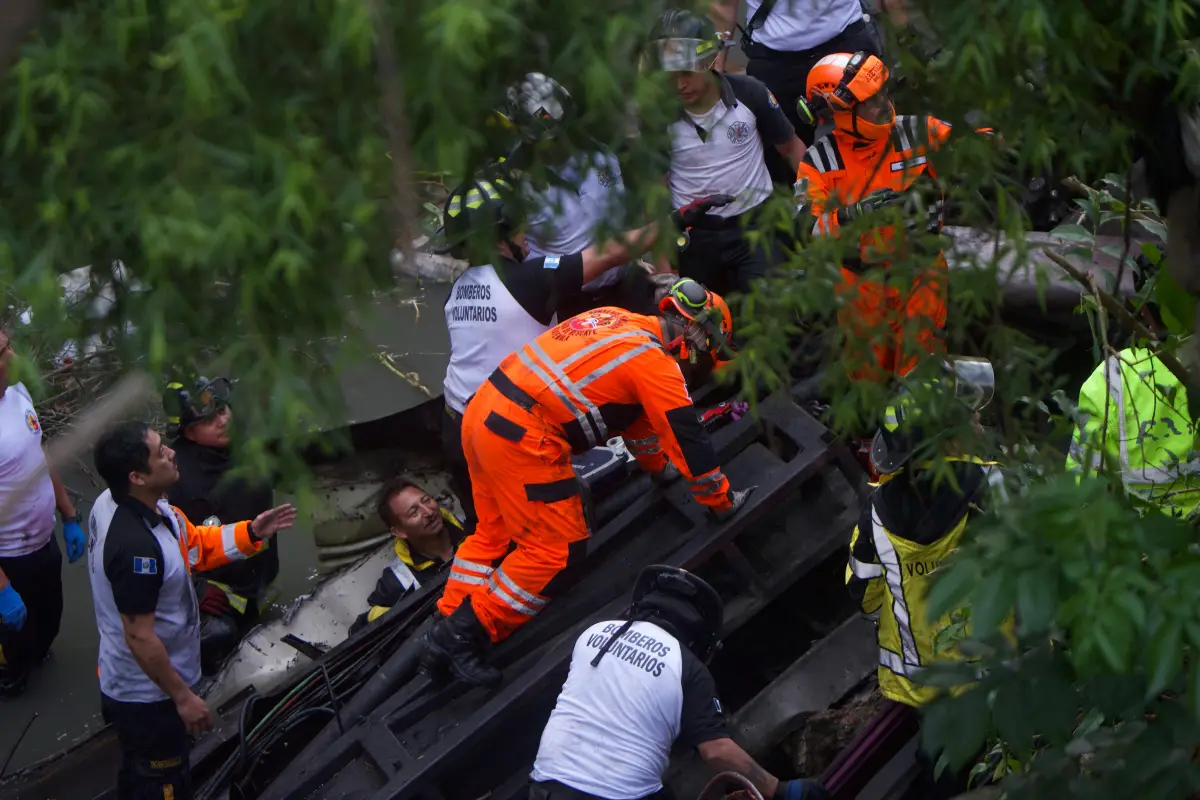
(574, 390)
(628, 355)
(580, 416)
(466, 577)
(891, 573)
(1144, 474)
(193, 556)
(705, 491)
(229, 543)
(906, 164)
(514, 596)
(712, 477)
(460, 563)
(865, 571)
(647, 442)
(995, 479)
(827, 218)
(901, 128)
(893, 661)
(501, 577)
(594, 346)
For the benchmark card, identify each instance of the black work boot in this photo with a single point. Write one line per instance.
(457, 643)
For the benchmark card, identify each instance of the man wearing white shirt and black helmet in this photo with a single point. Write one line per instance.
(582, 193)
(639, 688)
(718, 142)
(784, 39)
(506, 300)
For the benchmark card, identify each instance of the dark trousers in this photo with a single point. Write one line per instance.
(452, 449)
(37, 577)
(154, 750)
(553, 790)
(786, 75)
(722, 258)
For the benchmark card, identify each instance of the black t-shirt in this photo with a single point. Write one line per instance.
(543, 285)
(701, 718)
(133, 558)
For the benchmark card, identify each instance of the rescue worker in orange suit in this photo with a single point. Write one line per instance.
(602, 373)
(875, 163)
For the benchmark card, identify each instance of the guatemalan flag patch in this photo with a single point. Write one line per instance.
(145, 566)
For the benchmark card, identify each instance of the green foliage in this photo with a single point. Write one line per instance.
(1106, 625)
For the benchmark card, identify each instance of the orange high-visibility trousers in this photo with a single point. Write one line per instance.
(526, 494)
(887, 330)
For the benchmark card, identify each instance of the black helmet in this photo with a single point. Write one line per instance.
(682, 41)
(682, 602)
(185, 406)
(908, 427)
(476, 211)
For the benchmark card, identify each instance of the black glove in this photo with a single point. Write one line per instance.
(666, 475)
(737, 499)
(690, 214)
(800, 789)
(880, 198)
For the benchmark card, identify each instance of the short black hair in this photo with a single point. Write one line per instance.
(390, 489)
(122, 450)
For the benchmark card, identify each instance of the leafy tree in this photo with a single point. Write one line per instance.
(252, 163)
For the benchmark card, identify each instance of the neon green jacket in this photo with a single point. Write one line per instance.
(1149, 438)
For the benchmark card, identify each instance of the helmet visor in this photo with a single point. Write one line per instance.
(683, 55)
(212, 397)
(974, 381)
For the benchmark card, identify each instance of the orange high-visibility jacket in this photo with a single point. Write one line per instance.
(839, 170)
(606, 372)
(206, 547)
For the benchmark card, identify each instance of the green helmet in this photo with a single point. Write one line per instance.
(477, 210)
(682, 41)
(909, 427)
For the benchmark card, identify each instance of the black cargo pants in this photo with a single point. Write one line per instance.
(37, 577)
(720, 254)
(154, 750)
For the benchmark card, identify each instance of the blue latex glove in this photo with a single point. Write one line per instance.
(76, 541)
(12, 608)
(800, 789)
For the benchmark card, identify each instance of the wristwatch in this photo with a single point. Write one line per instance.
(77, 518)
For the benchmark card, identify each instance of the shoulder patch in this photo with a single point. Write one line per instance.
(145, 566)
(551, 262)
(717, 706)
(771, 99)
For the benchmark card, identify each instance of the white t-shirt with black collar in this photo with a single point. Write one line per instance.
(794, 26)
(721, 151)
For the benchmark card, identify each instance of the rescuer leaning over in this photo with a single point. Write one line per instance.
(913, 521)
(876, 164)
(596, 375)
(506, 297)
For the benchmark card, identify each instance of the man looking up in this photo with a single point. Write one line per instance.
(140, 558)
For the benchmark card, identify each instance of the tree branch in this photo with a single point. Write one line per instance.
(1112, 306)
(396, 124)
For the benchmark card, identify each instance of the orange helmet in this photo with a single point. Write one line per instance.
(842, 86)
(709, 323)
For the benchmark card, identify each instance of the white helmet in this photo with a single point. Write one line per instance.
(537, 105)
